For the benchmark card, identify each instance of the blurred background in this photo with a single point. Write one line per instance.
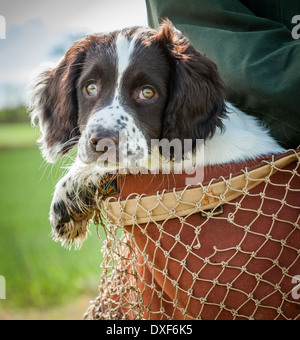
(43, 280)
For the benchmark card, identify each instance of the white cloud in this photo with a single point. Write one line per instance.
(35, 27)
(94, 15)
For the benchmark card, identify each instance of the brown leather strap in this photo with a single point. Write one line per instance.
(137, 209)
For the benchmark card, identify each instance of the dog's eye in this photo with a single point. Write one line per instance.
(147, 93)
(92, 89)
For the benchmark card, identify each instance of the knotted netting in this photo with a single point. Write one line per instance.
(225, 249)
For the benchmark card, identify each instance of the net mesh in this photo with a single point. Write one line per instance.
(237, 260)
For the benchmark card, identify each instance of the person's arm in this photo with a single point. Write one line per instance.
(258, 59)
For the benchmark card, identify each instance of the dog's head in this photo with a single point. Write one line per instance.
(144, 83)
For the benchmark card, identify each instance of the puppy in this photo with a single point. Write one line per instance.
(144, 85)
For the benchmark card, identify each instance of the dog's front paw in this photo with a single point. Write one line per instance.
(68, 227)
(70, 213)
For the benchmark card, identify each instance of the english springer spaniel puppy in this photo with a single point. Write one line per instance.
(147, 84)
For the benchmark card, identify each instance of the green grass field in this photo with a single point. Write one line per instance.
(39, 273)
(14, 136)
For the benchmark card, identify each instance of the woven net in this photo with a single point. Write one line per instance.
(229, 252)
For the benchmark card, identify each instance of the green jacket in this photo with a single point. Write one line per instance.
(252, 44)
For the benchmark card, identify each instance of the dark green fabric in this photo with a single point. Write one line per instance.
(251, 42)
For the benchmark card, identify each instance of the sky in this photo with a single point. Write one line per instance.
(37, 32)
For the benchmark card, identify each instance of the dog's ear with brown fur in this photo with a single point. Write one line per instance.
(54, 103)
(196, 100)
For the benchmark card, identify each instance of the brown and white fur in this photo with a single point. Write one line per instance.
(97, 91)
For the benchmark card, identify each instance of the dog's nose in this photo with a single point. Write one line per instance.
(97, 136)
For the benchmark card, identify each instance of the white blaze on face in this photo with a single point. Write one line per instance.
(115, 117)
(124, 49)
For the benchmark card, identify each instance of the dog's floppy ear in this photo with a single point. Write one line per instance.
(54, 103)
(196, 100)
